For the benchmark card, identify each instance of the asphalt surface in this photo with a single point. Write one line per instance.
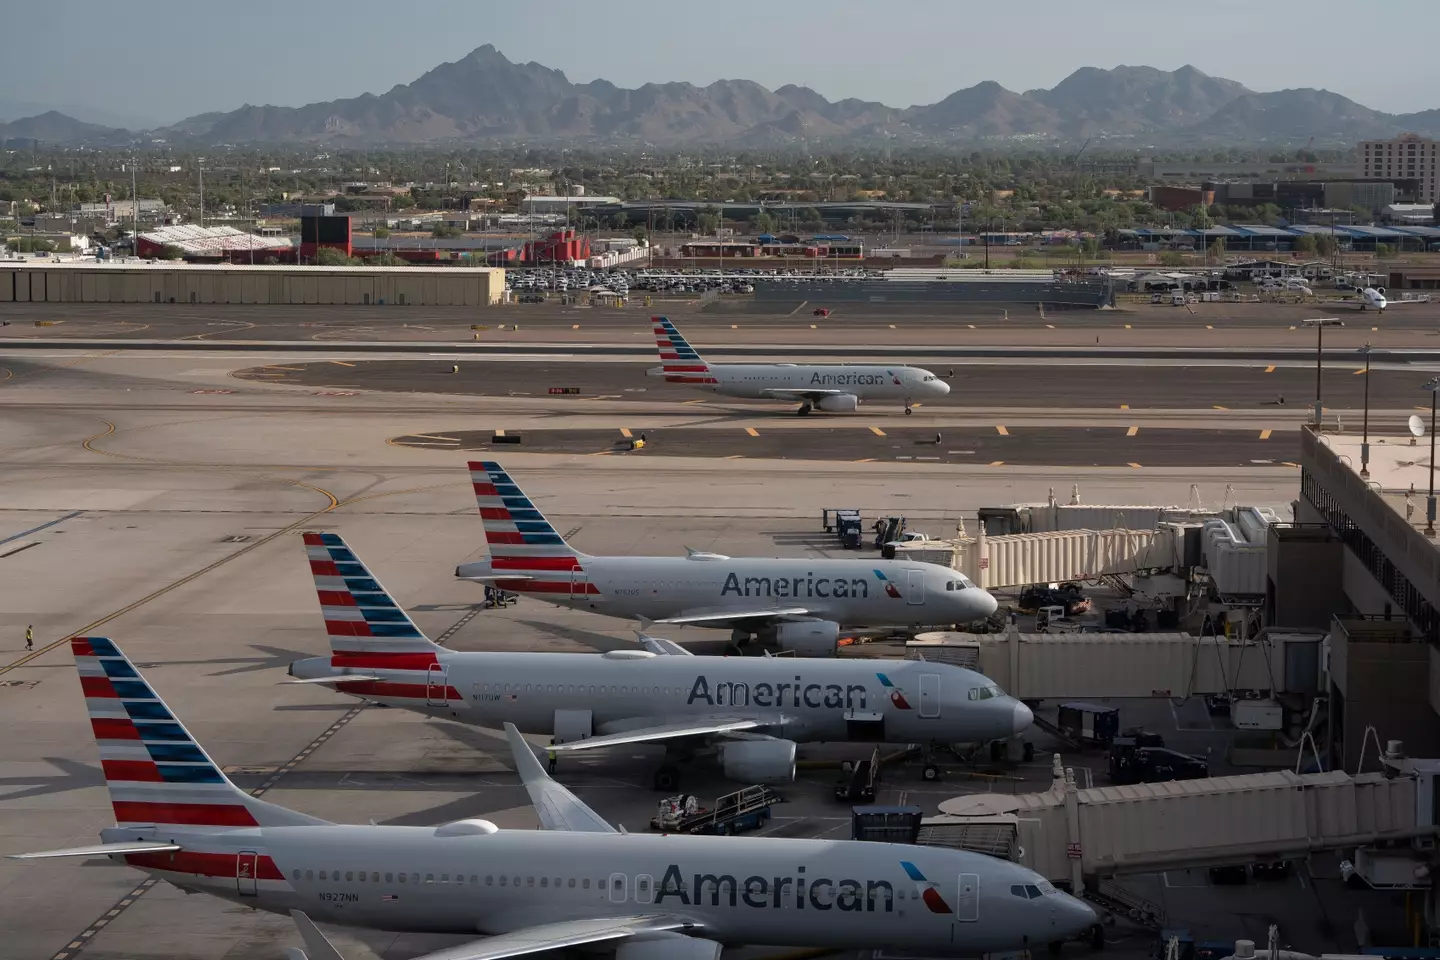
(1074, 386)
(750, 319)
(995, 445)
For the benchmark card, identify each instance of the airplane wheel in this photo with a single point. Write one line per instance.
(667, 778)
(804, 410)
(908, 411)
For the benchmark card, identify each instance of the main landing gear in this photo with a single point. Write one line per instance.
(805, 409)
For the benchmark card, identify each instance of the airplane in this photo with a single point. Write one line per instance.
(1373, 298)
(798, 603)
(577, 882)
(832, 387)
(748, 712)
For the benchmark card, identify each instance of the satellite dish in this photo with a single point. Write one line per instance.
(1417, 426)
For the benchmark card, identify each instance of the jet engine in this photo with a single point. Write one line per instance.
(807, 638)
(668, 946)
(758, 761)
(839, 403)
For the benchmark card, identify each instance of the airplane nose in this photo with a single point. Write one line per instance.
(983, 602)
(1022, 719)
(1073, 916)
(942, 386)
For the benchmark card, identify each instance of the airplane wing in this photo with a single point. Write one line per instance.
(338, 678)
(799, 393)
(558, 808)
(98, 850)
(1400, 303)
(518, 943)
(659, 645)
(729, 615)
(664, 731)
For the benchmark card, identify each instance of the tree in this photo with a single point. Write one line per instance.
(1384, 251)
(1217, 249)
(444, 230)
(1306, 243)
(1325, 245)
(640, 233)
(333, 257)
(170, 252)
(1172, 258)
(384, 260)
(1091, 247)
(381, 232)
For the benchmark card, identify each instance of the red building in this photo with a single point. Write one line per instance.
(563, 246)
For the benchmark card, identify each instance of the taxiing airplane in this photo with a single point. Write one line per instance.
(798, 603)
(1373, 298)
(749, 712)
(832, 387)
(578, 882)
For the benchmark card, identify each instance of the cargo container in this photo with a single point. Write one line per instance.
(1091, 723)
(1257, 715)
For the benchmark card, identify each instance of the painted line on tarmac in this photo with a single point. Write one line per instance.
(1001, 430)
(752, 431)
(50, 523)
(1132, 431)
(1264, 434)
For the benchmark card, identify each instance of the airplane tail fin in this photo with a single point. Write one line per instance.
(367, 628)
(681, 363)
(521, 540)
(156, 772)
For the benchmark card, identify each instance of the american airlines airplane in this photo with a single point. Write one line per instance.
(748, 712)
(798, 603)
(577, 882)
(832, 387)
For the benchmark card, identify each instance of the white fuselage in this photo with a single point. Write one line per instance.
(801, 699)
(865, 381)
(737, 889)
(849, 592)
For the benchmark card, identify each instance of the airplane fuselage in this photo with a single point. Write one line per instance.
(466, 878)
(801, 699)
(866, 382)
(848, 592)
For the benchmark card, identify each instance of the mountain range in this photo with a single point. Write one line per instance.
(485, 97)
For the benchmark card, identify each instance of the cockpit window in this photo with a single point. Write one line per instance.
(1033, 891)
(986, 693)
(1046, 887)
(1027, 891)
(965, 582)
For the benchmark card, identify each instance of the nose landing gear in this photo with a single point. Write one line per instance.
(908, 410)
(805, 409)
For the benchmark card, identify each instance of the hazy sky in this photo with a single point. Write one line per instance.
(199, 55)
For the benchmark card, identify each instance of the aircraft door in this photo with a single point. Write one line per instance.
(929, 696)
(643, 891)
(247, 866)
(436, 686)
(617, 888)
(915, 580)
(967, 900)
(579, 583)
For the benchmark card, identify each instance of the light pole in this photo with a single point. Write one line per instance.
(1365, 427)
(1433, 385)
(1320, 326)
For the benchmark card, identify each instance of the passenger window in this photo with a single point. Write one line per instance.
(529, 881)
(414, 878)
(360, 876)
(402, 878)
(502, 881)
(309, 874)
(295, 875)
(375, 877)
(444, 878)
(429, 878)
(390, 877)
(474, 878)
(349, 875)
(517, 882)
(585, 884)
(490, 880)
(322, 874)
(544, 881)
(572, 883)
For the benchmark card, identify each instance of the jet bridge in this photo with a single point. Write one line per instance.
(1385, 822)
(1095, 666)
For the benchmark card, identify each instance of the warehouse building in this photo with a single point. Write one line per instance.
(40, 282)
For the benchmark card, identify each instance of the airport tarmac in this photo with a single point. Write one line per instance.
(1074, 386)
(1022, 446)
(143, 503)
(723, 325)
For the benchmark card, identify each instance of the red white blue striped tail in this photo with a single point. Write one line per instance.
(521, 540)
(681, 362)
(155, 771)
(367, 627)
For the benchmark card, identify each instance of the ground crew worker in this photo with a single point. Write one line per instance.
(30, 636)
(551, 755)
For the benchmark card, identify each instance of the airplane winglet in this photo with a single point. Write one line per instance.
(317, 947)
(526, 763)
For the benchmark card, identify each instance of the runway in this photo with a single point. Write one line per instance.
(995, 446)
(1059, 386)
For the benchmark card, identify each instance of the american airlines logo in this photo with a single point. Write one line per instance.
(818, 379)
(775, 893)
(726, 693)
(808, 586)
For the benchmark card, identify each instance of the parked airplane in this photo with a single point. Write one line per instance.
(798, 603)
(577, 882)
(748, 711)
(833, 387)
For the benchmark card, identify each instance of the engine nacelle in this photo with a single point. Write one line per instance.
(668, 946)
(1380, 290)
(839, 403)
(807, 638)
(758, 761)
